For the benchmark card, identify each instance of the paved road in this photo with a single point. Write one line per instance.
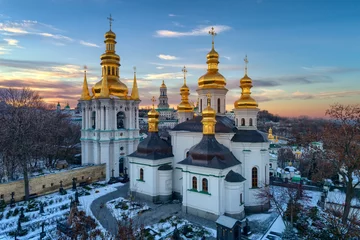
(103, 214)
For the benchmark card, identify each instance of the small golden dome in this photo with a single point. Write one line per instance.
(212, 79)
(153, 114)
(110, 34)
(163, 85)
(116, 88)
(153, 118)
(208, 118)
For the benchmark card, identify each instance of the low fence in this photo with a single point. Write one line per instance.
(50, 183)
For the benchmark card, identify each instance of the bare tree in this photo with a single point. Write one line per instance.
(341, 142)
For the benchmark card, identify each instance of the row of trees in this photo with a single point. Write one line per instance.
(32, 132)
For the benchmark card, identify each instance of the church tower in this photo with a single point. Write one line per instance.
(163, 99)
(212, 82)
(110, 125)
(185, 109)
(246, 108)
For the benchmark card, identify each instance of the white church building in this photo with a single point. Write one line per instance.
(213, 164)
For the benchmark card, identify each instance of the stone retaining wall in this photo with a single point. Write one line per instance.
(50, 183)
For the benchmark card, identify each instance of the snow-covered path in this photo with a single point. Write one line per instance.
(103, 214)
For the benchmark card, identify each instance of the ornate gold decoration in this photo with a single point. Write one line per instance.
(85, 95)
(153, 118)
(135, 90)
(212, 79)
(110, 65)
(245, 101)
(185, 105)
(208, 115)
(270, 135)
(163, 85)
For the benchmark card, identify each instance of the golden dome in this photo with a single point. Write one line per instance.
(208, 118)
(270, 135)
(212, 79)
(245, 101)
(110, 65)
(116, 88)
(184, 105)
(163, 85)
(153, 118)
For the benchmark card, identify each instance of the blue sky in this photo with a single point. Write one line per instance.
(303, 55)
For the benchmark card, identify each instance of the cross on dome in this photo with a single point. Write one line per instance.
(213, 34)
(153, 99)
(246, 63)
(110, 20)
(184, 71)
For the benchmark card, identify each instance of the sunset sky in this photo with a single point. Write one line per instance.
(303, 55)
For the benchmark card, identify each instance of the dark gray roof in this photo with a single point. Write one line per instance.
(223, 125)
(165, 167)
(234, 177)
(153, 147)
(211, 154)
(249, 136)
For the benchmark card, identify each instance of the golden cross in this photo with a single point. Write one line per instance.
(184, 71)
(246, 63)
(85, 68)
(213, 34)
(153, 101)
(110, 20)
(134, 69)
(208, 95)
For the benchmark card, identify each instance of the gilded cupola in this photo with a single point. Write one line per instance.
(85, 95)
(153, 118)
(212, 78)
(163, 85)
(110, 65)
(184, 105)
(245, 101)
(270, 135)
(208, 115)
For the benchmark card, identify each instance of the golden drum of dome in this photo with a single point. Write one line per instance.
(153, 118)
(245, 101)
(184, 105)
(163, 85)
(208, 118)
(110, 65)
(212, 78)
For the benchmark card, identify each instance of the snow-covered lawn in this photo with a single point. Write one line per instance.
(56, 208)
(338, 197)
(187, 230)
(122, 208)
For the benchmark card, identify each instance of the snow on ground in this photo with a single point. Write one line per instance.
(338, 197)
(166, 227)
(56, 209)
(278, 227)
(122, 208)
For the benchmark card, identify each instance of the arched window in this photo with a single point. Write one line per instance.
(194, 183)
(200, 105)
(270, 165)
(120, 120)
(187, 154)
(93, 120)
(108, 68)
(218, 105)
(141, 174)
(242, 122)
(204, 185)
(250, 122)
(254, 177)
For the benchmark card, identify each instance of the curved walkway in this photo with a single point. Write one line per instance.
(103, 214)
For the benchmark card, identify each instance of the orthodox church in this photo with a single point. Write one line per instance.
(213, 164)
(110, 116)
